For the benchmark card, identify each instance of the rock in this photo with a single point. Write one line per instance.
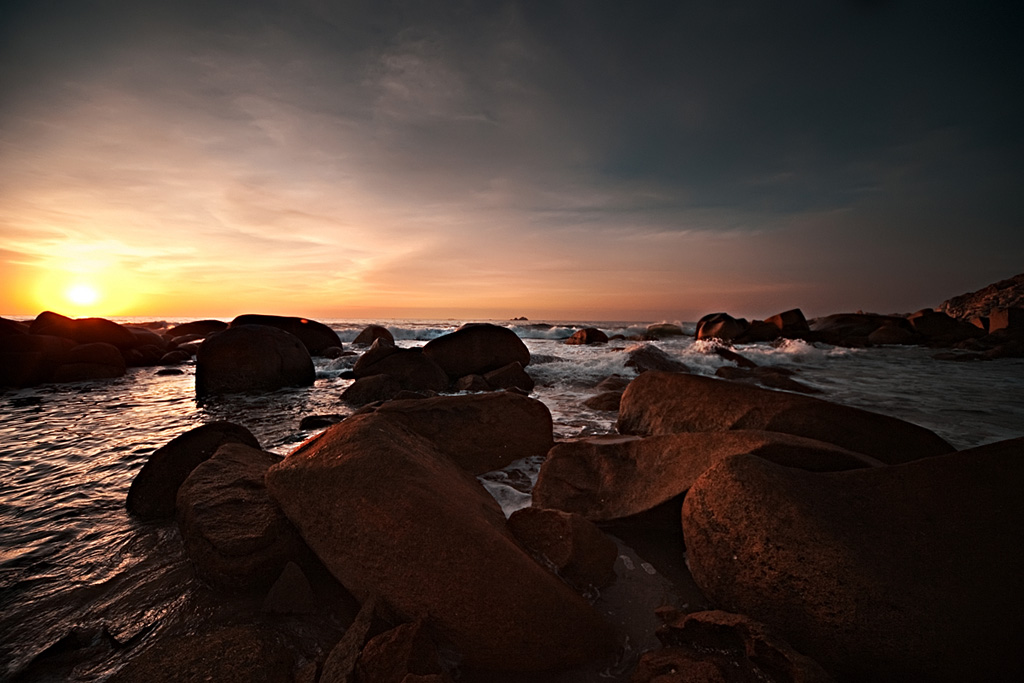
(719, 646)
(372, 389)
(476, 349)
(1007, 293)
(391, 515)
(663, 331)
(83, 330)
(251, 358)
(314, 336)
(722, 326)
(614, 383)
(892, 333)
(90, 362)
(760, 331)
(412, 369)
(231, 654)
(607, 401)
(666, 403)
(235, 535)
(169, 371)
(372, 333)
(154, 490)
(611, 477)
(573, 546)
(393, 655)
(1011, 319)
(333, 352)
(791, 323)
(340, 665)
(852, 329)
(319, 421)
(480, 432)
(909, 572)
(733, 357)
(197, 328)
(175, 357)
(8, 326)
(940, 329)
(645, 357)
(776, 378)
(471, 383)
(512, 376)
(588, 335)
(291, 593)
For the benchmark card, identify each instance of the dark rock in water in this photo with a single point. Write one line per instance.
(197, 328)
(8, 326)
(720, 647)
(1010, 319)
(251, 358)
(614, 383)
(588, 335)
(291, 593)
(319, 421)
(400, 655)
(372, 389)
(722, 326)
(578, 551)
(314, 336)
(645, 357)
(604, 478)
(235, 535)
(481, 432)
(89, 362)
(154, 490)
(893, 333)
(666, 403)
(511, 376)
(852, 329)
(391, 515)
(759, 331)
(29, 359)
(335, 352)
(232, 654)
(476, 349)
(663, 331)
(607, 401)
(170, 371)
(83, 330)
(902, 573)
(776, 378)
(175, 357)
(372, 333)
(412, 369)
(938, 329)
(471, 383)
(732, 356)
(791, 323)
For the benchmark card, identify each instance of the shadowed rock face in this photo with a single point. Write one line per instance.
(477, 349)
(666, 403)
(83, 330)
(251, 358)
(392, 516)
(315, 336)
(909, 572)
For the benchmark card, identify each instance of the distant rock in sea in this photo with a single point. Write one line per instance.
(1003, 294)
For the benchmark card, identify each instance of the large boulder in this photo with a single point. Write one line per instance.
(372, 333)
(481, 432)
(235, 535)
(83, 362)
(644, 357)
(604, 478)
(852, 329)
(666, 403)
(154, 489)
(29, 359)
(411, 368)
(722, 326)
(392, 516)
(315, 336)
(903, 573)
(663, 331)
(476, 349)
(791, 323)
(938, 329)
(197, 329)
(570, 544)
(588, 335)
(83, 330)
(251, 358)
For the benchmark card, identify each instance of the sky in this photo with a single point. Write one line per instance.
(554, 159)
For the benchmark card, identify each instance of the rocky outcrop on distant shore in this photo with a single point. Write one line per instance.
(1004, 294)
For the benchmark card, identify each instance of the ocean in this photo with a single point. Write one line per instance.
(80, 578)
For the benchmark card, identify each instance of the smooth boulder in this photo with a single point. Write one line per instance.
(83, 330)
(586, 336)
(235, 535)
(412, 369)
(666, 403)
(154, 490)
(605, 478)
(476, 349)
(392, 516)
(909, 572)
(251, 358)
(315, 336)
(372, 333)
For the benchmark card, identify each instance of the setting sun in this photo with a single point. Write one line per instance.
(82, 294)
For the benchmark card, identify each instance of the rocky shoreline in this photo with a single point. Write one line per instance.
(728, 532)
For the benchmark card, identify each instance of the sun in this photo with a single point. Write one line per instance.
(82, 294)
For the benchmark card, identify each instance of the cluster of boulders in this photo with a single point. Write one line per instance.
(987, 301)
(252, 352)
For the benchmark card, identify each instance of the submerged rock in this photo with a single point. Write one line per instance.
(251, 358)
(909, 572)
(666, 403)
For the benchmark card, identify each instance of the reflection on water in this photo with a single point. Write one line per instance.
(74, 566)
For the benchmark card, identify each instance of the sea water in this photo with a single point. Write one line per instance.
(75, 567)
